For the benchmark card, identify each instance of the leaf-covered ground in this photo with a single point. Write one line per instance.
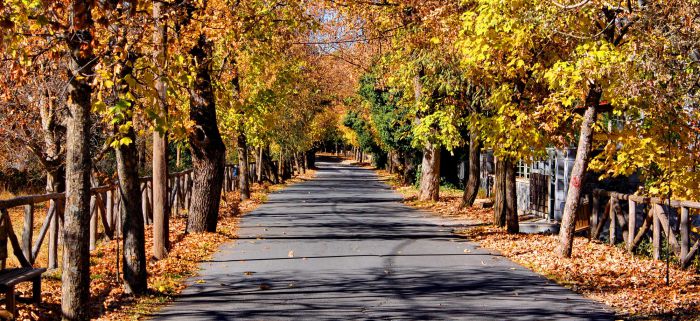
(165, 277)
(634, 286)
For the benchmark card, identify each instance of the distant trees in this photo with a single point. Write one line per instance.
(523, 76)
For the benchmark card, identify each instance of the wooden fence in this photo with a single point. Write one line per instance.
(667, 221)
(105, 206)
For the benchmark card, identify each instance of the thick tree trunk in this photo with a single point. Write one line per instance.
(511, 197)
(75, 285)
(208, 150)
(243, 171)
(499, 192)
(430, 174)
(132, 229)
(578, 173)
(311, 159)
(134, 255)
(161, 208)
(471, 189)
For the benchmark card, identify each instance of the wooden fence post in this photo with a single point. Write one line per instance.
(53, 234)
(144, 202)
(631, 224)
(28, 231)
(595, 212)
(613, 219)
(109, 206)
(93, 221)
(656, 234)
(685, 233)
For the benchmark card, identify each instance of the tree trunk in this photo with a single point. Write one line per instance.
(261, 164)
(208, 150)
(132, 229)
(499, 191)
(141, 147)
(134, 255)
(270, 166)
(243, 171)
(511, 197)
(407, 169)
(578, 173)
(75, 285)
(161, 208)
(471, 189)
(430, 174)
(178, 160)
(280, 168)
(311, 159)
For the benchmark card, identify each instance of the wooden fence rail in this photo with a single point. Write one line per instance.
(659, 216)
(105, 206)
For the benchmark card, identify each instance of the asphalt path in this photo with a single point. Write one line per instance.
(343, 247)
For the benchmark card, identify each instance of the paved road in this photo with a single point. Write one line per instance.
(342, 247)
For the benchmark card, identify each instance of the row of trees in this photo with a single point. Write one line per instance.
(520, 76)
(89, 79)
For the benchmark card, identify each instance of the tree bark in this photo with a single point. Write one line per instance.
(208, 150)
(75, 285)
(311, 159)
(243, 171)
(161, 208)
(141, 146)
(280, 168)
(499, 191)
(261, 164)
(134, 254)
(511, 198)
(471, 190)
(578, 173)
(430, 174)
(131, 217)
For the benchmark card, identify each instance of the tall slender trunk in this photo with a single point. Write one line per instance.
(208, 150)
(178, 159)
(511, 197)
(261, 164)
(271, 171)
(471, 189)
(280, 168)
(75, 285)
(131, 217)
(141, 147)
(578, 173)
(243, 171)
(161, 208)
(134, 254)
(499, 191)
(430, 174)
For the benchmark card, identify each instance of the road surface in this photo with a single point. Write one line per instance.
(343, 247)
